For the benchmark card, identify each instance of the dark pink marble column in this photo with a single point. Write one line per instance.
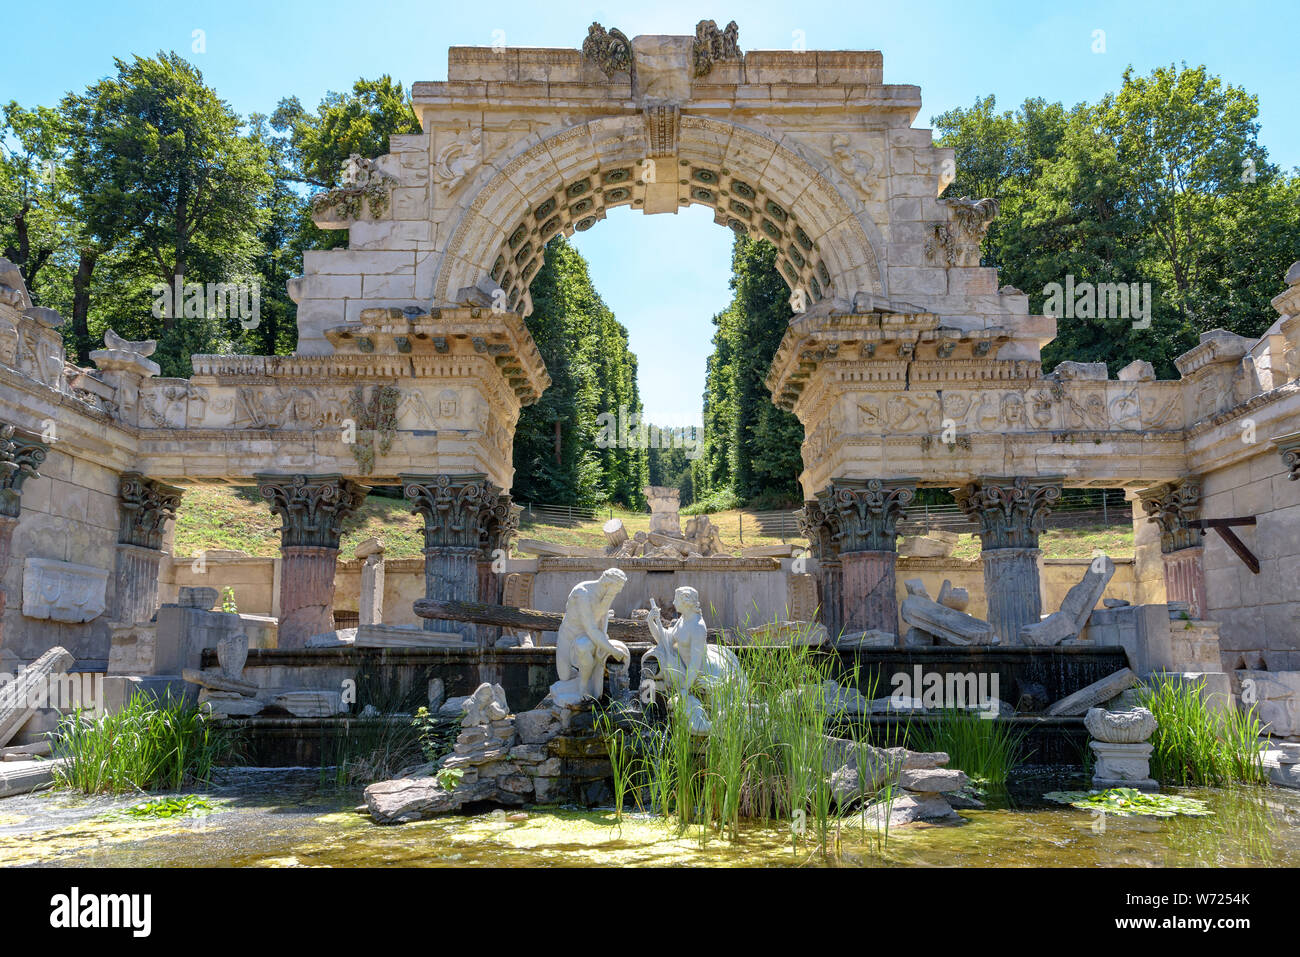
(869, 597)
(306, 593)
(1185, 578)
(862, 517)
(1170, 506)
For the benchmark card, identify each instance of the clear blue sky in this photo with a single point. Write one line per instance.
(664, 276)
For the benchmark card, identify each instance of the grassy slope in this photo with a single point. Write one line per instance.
(214, 517)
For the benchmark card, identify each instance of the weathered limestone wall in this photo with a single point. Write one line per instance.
(763, 589)
(1259, 615)
(70, 514)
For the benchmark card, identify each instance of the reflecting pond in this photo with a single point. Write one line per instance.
(278, 818)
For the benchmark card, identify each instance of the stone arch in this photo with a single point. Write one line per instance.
(569, 180)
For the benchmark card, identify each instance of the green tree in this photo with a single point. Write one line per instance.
(1163, 182)
(318, 144)
(161, 171)
(751, 448)
(560, 453)
(33, 225)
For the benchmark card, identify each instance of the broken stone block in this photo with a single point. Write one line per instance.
(229, 704)
(907, 808)
(1095, 693)
(1075, 610)
(1139, 370)
(933, 544)
(946, 624)
(17, 696)
(1277, 697)
(958, 599)
(536, 727)
(310, 704)
(216, 681)
(930, 780)
(867, 639)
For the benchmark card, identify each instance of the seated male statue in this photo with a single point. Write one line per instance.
(582, 644)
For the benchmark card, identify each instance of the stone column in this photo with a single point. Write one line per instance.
(865, 516)
(145, 508)
(1011, 512)
(819, 528)
(457, 511)
(20, 457)
(311, 510)
(1170, 506)
(371, 604)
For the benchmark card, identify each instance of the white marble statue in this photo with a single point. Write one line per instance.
(582, 644)
(682, 664)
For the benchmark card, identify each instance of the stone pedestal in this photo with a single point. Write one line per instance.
(1185, 578)
(311, 509)
(869, 598)
(665, 505)
(1122, 766)
(135, 596)
(1012, 590)
(1011, 512)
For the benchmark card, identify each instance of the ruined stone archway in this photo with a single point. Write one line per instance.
(571, 179)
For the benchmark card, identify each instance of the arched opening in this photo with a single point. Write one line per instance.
(569, 182)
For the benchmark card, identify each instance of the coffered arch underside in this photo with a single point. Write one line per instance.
(570, 180)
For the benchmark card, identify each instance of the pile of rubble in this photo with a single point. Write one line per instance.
(920, 785)
(700, 540)
(551, 754)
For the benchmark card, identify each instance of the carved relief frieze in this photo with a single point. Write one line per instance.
(63, 591)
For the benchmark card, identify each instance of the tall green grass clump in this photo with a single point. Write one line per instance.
(764, 759)
(1196, 745)
(987, 750)
(149, 745)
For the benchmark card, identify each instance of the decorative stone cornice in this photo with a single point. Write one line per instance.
(1011, 512)
(1289, 447)
(865, 512)
(20, 458)
(146, 505)
(311, 507)
(1171, 505)
(457, 509)
(1217, 345)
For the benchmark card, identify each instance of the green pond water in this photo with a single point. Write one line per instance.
(290, 819)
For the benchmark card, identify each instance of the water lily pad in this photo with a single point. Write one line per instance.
(1127, 802)
(186, 806)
